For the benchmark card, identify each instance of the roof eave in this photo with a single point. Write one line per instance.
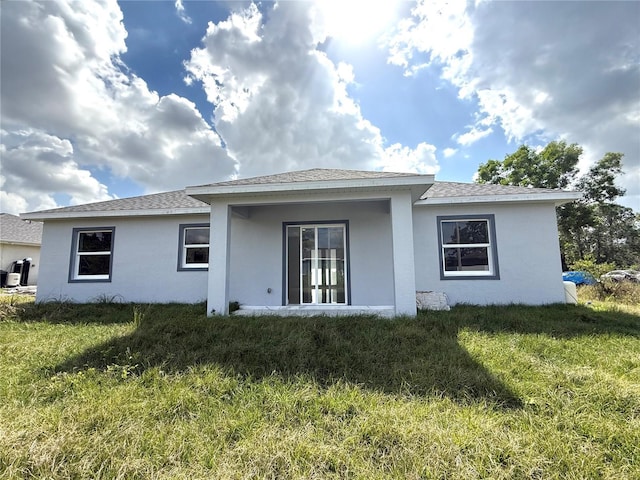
(21, 244)
(557, 198)
(115, 213)
(206, 193)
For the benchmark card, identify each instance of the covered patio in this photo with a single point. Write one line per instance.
(308, 246)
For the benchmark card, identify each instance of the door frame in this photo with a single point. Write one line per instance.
(347, 255)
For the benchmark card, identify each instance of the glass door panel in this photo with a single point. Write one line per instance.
(308, 261)
(316, 268)
(293, 266)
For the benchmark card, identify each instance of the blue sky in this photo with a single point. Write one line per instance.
(103, 100)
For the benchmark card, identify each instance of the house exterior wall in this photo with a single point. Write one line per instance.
(257, 250)
(9, 253)
(145, 260)
(528, 255)
(146, 249)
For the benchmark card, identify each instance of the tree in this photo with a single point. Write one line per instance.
(593, 227)
(598, 184)
(612, 233)
(553, 167)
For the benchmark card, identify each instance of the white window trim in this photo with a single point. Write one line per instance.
(492, 251)
(344, 224)
(76, 255)
(183, 248)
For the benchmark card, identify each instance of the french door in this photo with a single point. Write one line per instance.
(316, 264)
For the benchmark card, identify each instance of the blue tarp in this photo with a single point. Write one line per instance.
(579, 278)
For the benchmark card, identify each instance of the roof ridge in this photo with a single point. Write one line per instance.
(312, 175)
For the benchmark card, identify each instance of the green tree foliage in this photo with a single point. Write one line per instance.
(554, 167)
(598, 185)
(594, 227)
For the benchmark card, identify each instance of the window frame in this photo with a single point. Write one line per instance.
(285, 261)
(492, 249)
(182, 248)
(74, 259)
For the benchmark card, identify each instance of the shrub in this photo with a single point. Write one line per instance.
(588, 264)
(609, 290)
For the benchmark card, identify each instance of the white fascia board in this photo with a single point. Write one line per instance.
(208, 191)
(21, 244)
(305, 197)
(557, 198)
(115, 213)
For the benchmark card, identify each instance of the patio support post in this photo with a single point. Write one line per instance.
(218, 284)
(404, 277)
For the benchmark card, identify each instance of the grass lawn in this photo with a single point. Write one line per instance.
(125, 391)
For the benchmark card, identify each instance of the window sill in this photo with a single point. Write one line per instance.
(89, 280)
(193, 269)
(469, 277)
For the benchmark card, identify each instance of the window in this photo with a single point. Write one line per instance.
(468, 247)
(91, 254)
(194, 247)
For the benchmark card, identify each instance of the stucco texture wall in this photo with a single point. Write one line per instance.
(145, 262)
(257, 250)
(528, 254)
(9, 253)
(145, 256)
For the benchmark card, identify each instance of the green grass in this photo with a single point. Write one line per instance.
(162, 391)
(626, 293)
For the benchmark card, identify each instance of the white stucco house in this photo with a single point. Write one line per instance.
(19, 240)
(314, 241)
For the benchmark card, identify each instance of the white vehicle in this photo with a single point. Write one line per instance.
(622, 275)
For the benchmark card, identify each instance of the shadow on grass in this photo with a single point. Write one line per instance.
(558, 321)
(416, 356)
(405, 356)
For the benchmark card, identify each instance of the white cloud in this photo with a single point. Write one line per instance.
(71, 106)
(539, 70)
(11, 202)
(280, 103)
(449, 152)
(441, 29)
(422, 159)
(182, 14)
(63, 84)
(34, 165)
(472, 136)
(356, 22)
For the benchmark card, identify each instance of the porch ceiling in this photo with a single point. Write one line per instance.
(245, 208)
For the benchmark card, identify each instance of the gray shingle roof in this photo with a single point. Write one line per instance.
(457, 189)
(312, 175)
(156, 201)
(180, 200)
(15, 230)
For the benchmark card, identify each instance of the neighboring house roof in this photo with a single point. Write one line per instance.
(180, 201)
(17, 231)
